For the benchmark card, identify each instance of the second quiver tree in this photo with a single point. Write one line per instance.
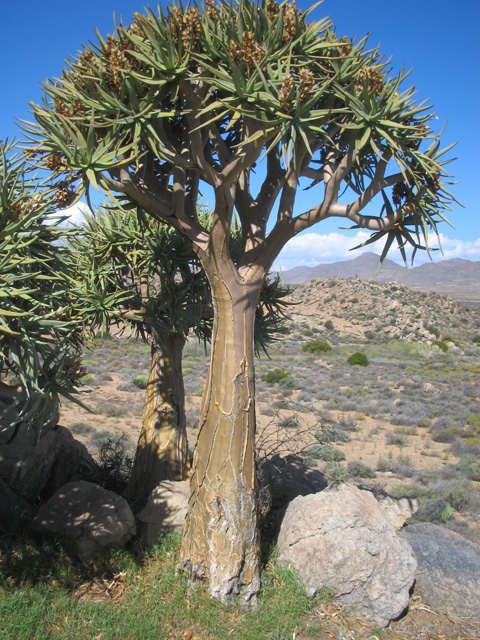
(255, 101)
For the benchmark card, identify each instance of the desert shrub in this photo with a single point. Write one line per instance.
(347, 423)
(335, 472)
(81, 428)
(360, 470)
(370, 335)
(441, 345)
(332, 435)
(329, 325)
(111, 410)
(317, 346)
(398, 439)
(141, 381)
(385, 465)
(434, 510)
(445, 430)
(433, 330)
(472, 419)
(459, 494)
(326, 453)
(115, 463)
(476, 338)
(359, 359)
(275, 375)
(304, 396)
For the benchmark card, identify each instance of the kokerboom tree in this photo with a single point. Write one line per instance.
(254, 101)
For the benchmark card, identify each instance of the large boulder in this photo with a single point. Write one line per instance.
(38, 466)
(342, 539)
(165, 511)
(448, 569)
(92, 519)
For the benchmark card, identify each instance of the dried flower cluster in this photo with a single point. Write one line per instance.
(249, 51)
(25, 206)
(307, 82)
(65, 195)
(55, 163)
(399, 193)
(75, 109)
(188, 25)
(273, 10)
(290, 21)
(212, 12)
(373, 78)
(285, 91)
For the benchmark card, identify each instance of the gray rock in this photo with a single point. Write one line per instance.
(342, 539)
(91, 518)
(448, 569)
(34, 467)
(165, 511)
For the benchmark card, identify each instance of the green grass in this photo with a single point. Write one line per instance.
(39, 601)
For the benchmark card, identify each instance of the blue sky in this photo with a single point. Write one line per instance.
(439, 39)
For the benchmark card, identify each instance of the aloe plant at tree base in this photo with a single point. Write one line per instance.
(212, 96)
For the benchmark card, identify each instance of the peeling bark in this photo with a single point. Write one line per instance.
(162, 449)
(221, 541)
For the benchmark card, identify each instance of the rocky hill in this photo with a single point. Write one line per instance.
(457, 278)
(364, 308)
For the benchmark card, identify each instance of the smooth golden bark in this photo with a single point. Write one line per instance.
(162, 449)
(221, 541)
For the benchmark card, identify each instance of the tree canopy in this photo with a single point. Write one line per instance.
(40, 340)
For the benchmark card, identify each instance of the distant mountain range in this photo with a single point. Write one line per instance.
(457, 278)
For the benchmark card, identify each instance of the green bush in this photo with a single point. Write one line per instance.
(329, 325)
(326, 453)
(476, 338)
(359, 359)
(141, 381)
(360, 470)
(441, 345)
(434, 330)
(317, 346)
(275, 375)
(434, 510)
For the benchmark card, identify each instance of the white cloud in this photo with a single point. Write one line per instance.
(75, 212)
(310, 249)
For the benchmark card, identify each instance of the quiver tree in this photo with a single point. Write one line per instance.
(40, 341)
(137, 272)
(140, 273)
(254, 101)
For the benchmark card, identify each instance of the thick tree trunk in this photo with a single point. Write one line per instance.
(221, 541)
(162, 449)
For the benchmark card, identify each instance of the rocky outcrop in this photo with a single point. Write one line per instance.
(37, 463)
(342, 539)
(448, 574)
(165, 511)
(91, 519)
